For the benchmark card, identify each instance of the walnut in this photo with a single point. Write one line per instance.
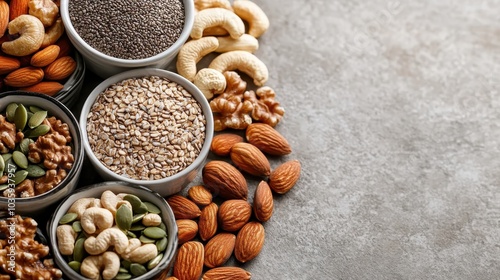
(265, 108)
(51, 148)
(51, 179)
(59, 127)
(229, 108)
(25, 189)
(7, 135)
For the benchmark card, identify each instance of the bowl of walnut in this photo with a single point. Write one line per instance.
(41, 152)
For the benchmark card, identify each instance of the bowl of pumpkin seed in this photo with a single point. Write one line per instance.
(41, 154)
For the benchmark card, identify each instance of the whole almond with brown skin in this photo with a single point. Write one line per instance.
(222, 143)
(284, 177)
(60, 69)
(8, 64)
(189, 261)
(250, 159)
(223, 179)
(24, 77)
(4, 17)
(263, 202)
(45, 56)
(267, 139)
(219, 249)
(186, 230)
(45, 87)
(200, 195)
(207, 223)
(17, 8)
(249, 241)
(183, 208)
(227, 273)
(233, 214)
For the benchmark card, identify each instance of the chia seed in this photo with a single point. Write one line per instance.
(128, 29)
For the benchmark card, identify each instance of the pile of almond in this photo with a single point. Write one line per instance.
(217, 220)
(43, 68)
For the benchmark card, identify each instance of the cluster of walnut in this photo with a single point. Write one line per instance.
(28, 255)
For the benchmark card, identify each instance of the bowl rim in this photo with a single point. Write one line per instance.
(144, 72)
(189, 14)
(78, 153)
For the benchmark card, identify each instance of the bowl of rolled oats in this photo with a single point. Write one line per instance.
(41, 154)
(148, 127)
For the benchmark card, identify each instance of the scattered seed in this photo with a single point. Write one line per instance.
(37, 119)
(68, 218)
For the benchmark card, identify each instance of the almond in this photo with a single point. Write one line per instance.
(183, 208)
(189, 261)
(8, 64)
(284, 177)
(45, 56)
(219, 249)
(4, 17)
(249, 241)
(263, 202)
(17, 8)
(24, 77)
(45, 87)
(250, 159)
(60, 69)
(207, 223)
(200, 195)
(267, 139)
(222, 143)
(227, 273)
(186, 230)
(233, 214)
(223, 179)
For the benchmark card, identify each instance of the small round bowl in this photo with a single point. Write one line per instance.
(168, 185)
(117, 187)
(105, 66)
(33, 205)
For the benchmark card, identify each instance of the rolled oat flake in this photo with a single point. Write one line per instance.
(128, 29)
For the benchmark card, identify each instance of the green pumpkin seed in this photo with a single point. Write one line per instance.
(2, 166)
(137, 227)
(161, 244)
(30, 114)
(154, 232)
(77, 226)
(154, 262)
(3, 187)
(137, 218)
(137, 269)
(24, 146)
(163, 226)
(35, 171)
(75, 265)
(79, 251)
(68, 218)
(6, 157)
(126, 264)
(122, 270)
(20, 159)
(10, 111)
(146, 240)
(123, 276)
(134, 201)
(34, 109)
(143, 209)
(19, 176)
(37, 119)
(152, 208)
(124, 217)
(131, 234)
(10, 165)
(39, 131)
(20, 117)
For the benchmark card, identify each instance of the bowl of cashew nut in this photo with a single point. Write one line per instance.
(113, 230)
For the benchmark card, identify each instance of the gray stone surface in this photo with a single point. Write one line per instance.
(393, 110)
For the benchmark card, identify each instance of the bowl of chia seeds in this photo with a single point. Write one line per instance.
(115, 36)
(149, 127)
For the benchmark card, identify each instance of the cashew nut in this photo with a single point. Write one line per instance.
(31, 33)
(243, 61)
(217, 17)
(244, 43)
(133, 243)
(109, 263)
(191, 53)
(142, 254)
(207, 4)
(108, 237)
(65, 239)
(210, 82)
(151, 220)
(258, 23)
(53, 33)
(81, 204)
(95, 217)
(45, 10)
(215, 31)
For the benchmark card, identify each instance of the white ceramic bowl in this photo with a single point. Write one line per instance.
(96, 190)
(105, 66)
(169, 185)
(33, 205)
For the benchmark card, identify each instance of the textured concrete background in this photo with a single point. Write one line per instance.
(393, 110)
